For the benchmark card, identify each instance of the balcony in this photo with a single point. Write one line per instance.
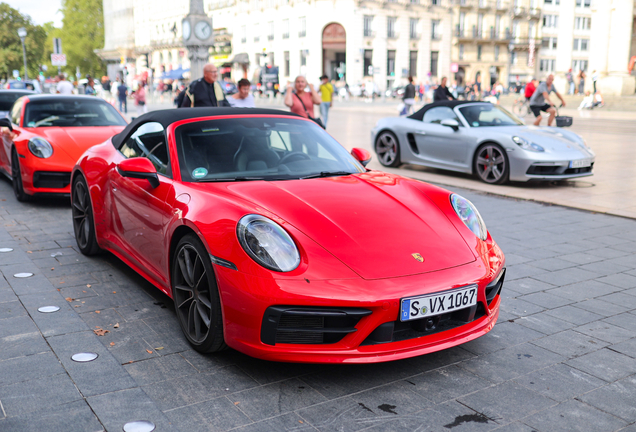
(534, 13)
(518, 11)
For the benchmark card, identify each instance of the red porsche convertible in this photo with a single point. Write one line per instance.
(274, 240)
(46, 134)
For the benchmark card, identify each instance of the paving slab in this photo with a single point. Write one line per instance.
(574, 416)
(560, 382)
(605, 364)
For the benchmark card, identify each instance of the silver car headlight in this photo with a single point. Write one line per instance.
(267, 243)
(40, 147)
(468, 213)
(527, 145)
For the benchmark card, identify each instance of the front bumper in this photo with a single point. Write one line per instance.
(374, 334)
(523, 167)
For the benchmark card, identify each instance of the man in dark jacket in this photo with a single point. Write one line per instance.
(442, 93)
(409, 96)
(206, 91)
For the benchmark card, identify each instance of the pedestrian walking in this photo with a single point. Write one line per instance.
(300, 101)
(442, 93)
(122, 94)
(206, 91)
(90, 86)
(243, 98)
(326, 91)
(581, 82)
(594, 79)
(409, 96)
(540, 101)
(64, 87)
(571, 86)
(140, 99)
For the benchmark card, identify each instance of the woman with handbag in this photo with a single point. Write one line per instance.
(301, 102)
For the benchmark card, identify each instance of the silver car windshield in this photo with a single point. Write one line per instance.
(257, 148)
(486, 115)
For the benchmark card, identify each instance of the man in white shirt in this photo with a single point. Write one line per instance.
(243, 98)
(64, 87)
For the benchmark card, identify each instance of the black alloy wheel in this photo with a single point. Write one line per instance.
(83, 223)
(387, 148)
(16, 178)
(491, 164)
(196, 296)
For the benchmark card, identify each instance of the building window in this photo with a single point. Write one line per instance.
(368, 66)
(579, 65)
(435, 60)
(582, 23)
(436, 2)
(581, 44)
(550, 2)
(256, 33)
(415, 1)
(551, 21)
(243, 34)
(461, 51)
(496, 52)
(547, 65)
(435, 30)
(303, 27)
(478, 52)
(480, 25)
(513, 57)
(390, 27)
(270, 35)
(549, 43)
(286, 63)
(413, 28)
(413, 63)
(583, 3)
(390, 63)
(286, 29)
(368, 22)
(303, 57)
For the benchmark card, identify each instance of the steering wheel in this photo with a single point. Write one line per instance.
(294, 155)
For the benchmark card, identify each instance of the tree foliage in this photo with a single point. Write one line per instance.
(11, 47)
(82, 33)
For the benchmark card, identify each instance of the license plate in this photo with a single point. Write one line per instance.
(581, 163)
(425, 306)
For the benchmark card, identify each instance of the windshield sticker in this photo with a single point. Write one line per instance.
(475, 124)
(199, 173)
(210, 130)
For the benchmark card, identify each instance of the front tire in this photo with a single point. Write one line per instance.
(196, 296)
(491, 164)
(83, 222)
(387, 147)
(16, 178)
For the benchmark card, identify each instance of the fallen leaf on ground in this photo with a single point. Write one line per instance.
(100, 332)
(112, 344)
(97, 312)
(68, 299)
(116, 325)
(148, 351)
(77, 306)
(29, 252)
(157, 349)
(88, 285)
(114, 292)
(83, 291)
(52, 268)
(59, 289)
(236, 403)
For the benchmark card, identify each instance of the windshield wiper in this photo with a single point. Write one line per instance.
(326, 174)
(46, 120)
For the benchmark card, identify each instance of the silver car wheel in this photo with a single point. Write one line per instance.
(386, 147)
(491, 164)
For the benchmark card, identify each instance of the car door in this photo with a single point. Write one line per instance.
(442, 146)
(139, 211)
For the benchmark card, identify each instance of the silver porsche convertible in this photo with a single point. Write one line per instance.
(482, 139)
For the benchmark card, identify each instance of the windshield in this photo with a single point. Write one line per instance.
(483, 115)
(7, 99)
(259, 149)
(71, 113)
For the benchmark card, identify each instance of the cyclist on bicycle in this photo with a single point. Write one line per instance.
(540, 101)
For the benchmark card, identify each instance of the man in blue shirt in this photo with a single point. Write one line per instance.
(122, 94)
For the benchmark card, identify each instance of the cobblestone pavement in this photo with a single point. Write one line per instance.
(562, 356)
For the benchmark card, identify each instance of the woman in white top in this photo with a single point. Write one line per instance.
(243, 98)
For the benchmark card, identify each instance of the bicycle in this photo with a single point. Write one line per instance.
(521, 107)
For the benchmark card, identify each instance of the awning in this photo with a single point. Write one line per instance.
(241, 58)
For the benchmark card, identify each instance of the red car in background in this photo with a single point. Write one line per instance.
(44, 136)
(273, 240)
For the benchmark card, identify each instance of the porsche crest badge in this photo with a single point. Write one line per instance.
(418, 257)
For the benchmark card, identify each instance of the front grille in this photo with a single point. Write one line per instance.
(53, 180)
(548, 170)
(309, 325)
(494, 287)
(579, 170)
(396, 331)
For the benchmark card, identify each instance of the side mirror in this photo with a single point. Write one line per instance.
(5, 122)
(140, 168)
(361, 155)
(451, 123)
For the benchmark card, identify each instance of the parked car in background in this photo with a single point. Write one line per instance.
(8, 97)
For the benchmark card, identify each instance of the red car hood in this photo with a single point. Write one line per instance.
(74, 141)
(372, 222)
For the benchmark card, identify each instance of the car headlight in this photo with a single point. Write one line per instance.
(527, 145)
(40, 147)
(468, 213)
(267, 243)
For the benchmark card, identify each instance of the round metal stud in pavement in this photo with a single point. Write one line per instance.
(48, 309)
(5, 250)
(22, 275)
(84, 357)
(139, 426)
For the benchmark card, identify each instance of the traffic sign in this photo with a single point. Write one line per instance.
(16, 73)
(58, 59)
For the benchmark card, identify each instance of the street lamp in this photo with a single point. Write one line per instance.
(22, 33)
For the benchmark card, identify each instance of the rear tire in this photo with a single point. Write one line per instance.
(196, 296)
(16, 177)
(387, 147)
(83, 222)
(491, 164)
